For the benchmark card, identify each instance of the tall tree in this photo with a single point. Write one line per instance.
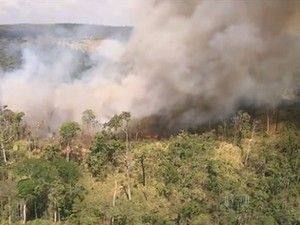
(121, 122)
(68, 131)
(10, 129)
(89, 121)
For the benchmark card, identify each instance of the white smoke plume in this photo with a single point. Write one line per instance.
(190, 60)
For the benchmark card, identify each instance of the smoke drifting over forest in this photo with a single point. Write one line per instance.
(186, 60)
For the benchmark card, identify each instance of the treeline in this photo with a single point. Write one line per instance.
(242, 170)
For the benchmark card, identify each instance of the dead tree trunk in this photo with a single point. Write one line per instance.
(248, 150)
(268, 121)
(115, 194)
(3, 153)
(128, 162)
(137, 135)
(129, 189)
(35, 211)
(178, 219)
(143, 171)
(225, 128)
(68, 153)
(58, 214)
(9, 210)
(55, 215)
(114, 199)
(24, 213)
(276, 119)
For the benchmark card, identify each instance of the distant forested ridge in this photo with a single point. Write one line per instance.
(13, 38)
(79, 31)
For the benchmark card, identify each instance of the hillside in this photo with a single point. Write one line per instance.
(243, 170)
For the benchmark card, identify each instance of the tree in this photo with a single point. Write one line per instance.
(64, 191)
(242, 126)
(104, 156)
(8, 196)
(10, 129)
(51, 152)
(68, 131)
(48, 184)
(121, 121)
(89, 121)
(34, 179)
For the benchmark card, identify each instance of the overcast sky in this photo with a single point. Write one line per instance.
(110, 12)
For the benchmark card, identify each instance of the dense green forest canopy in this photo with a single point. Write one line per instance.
(240, 170)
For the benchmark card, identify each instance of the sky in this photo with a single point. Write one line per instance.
(108, 12)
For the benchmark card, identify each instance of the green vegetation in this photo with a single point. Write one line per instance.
(244, 170)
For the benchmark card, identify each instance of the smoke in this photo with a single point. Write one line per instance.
(201, 59)
(188, 61)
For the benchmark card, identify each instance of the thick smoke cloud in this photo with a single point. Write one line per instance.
(188, 61)
(202, 59)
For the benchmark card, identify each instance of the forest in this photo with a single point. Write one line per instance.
(239, 170)
(149, 112)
